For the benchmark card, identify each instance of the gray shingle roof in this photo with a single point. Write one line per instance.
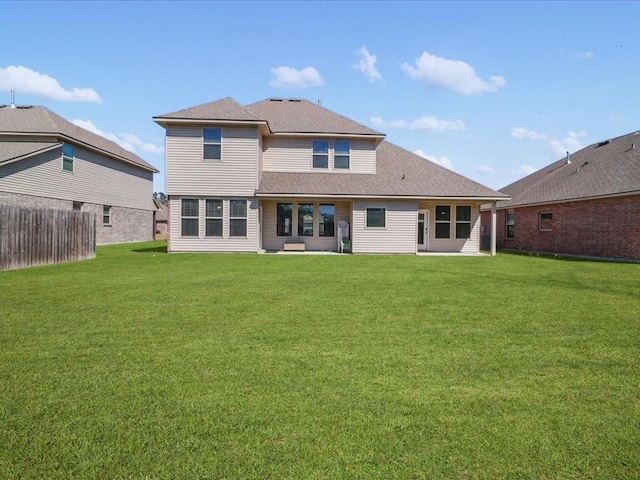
(303, 116)
(399, 173)
(224, 109)
(40, 121)
(281, 115)
(611, 167)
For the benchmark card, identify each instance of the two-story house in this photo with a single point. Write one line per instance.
(259, 177)
(48, 162)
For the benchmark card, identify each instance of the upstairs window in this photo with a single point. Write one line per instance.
(463, 222)
(212, 147)
(321, 154)
(510, 223)
(213, 218)
(189, 217)
(68, 155)
(341, 153)
(443, 221)
(545, 221)
(237, 218)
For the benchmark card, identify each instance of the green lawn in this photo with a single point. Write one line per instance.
(140, 364)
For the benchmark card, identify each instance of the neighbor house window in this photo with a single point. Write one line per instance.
(443, 221)
(213, 218)
(68, 154)
(284, 219)
(305, 219)
(320, 154)
(212, 143)
(510, 222)
(341, 152)
(326, 220)
(544, 221)
(376, 217)
(237, 218)
(77, 206)
(189, 216)
(106, 215)
(463, 222)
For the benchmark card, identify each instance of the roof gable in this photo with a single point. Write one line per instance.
(224, 109)
(302, 116)
(611, 167)
(40, 121)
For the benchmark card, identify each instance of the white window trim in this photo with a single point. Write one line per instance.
(204, 143)
(245, 218)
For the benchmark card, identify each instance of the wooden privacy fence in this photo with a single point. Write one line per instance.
(37, 236)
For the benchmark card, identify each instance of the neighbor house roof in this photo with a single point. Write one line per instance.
(399, 173)
(281, 115)
(37, 121)
(607, 168)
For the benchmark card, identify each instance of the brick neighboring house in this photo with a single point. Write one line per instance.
(287, 174)
(48, 162)
(587, 204)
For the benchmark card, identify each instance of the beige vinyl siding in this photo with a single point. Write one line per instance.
(213, 244)
(452, 244)
(295, 155)
(399, 234)
(270, 240)
(95, 179)
(236, 174)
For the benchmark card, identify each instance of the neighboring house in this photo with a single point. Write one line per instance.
(162, 219)
(48, 162)
(587, 204)
(284, 173)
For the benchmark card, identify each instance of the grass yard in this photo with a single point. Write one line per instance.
(144, 365)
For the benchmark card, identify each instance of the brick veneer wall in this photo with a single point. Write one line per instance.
(127, 224)
(608, 227)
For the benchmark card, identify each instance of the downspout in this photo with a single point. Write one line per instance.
(494, 217)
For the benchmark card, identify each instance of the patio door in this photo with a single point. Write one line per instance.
(423, 230)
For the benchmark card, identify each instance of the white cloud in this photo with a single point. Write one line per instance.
(430, 123)
(26, 81)
(442, 161)
(523, 171)
(454, 75)
(128, 141)
(585, 54)
(367, 65)
(484, 169)
(288, 77)
(570, 143)
(526, 134)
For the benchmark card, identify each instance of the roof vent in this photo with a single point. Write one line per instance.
(602, 144)
(13, 99)
(568, 160)
(275, 99)
(295, 100)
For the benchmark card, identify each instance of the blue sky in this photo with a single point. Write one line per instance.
(492, 90)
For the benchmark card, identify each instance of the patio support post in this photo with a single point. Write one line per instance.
(494, 217)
